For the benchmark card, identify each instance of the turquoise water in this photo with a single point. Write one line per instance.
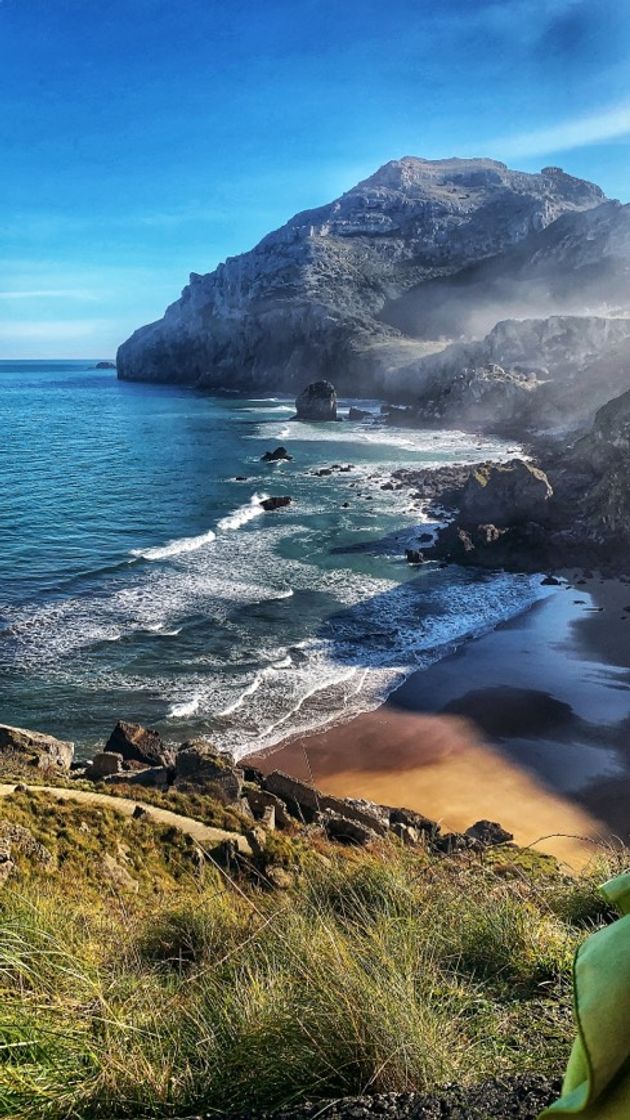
(139, 580)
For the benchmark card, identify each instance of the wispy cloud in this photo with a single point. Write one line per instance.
(578, 132)
(50, 293)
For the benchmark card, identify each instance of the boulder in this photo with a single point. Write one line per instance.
(103, 765)
(35, 747)
(198, 763)
(118, 875)
(306, 803)
(276, 456)
(105, 365)
(139, 744)
(318, 401)
(489, 833)
(359, 414)
(411, 819)
(270, 504)
(17, 838)
(260, 800)
(505, 494)
(347, 831)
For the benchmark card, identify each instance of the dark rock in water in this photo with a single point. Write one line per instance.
(241, 478)
(414, 556)
(270, 504)
(276, 456)
(35, 747)
(489, 833)
(105, 365)
(139, 744)
(317, 402)
(550, 581)
(425, 538)
(198, 763)
(505, 494)
(359, 414)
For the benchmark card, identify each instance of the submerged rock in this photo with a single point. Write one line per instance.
(35, 747)
(317, 402)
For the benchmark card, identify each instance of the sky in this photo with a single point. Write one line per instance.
(143, 140)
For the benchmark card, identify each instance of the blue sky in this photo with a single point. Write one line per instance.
(145, 139)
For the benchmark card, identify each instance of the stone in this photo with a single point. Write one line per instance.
(139, 744)
(139, 812)
(505, 494)
(105, 365)
(550, 581)
(305, 803)
(358, 414)
(317, 402)
(279, 877)
(414, 556)
(489, 833)
(271, 504)
(412, 819)
(276, 456)
(198, 763)
(18, 837)
(347, 831)
(103, 765)
(409, 835)
(35, 747)
(260, 800)
(118, 875)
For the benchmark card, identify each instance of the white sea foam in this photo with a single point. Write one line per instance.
(243, 514)
(174, 548)
(185, 709)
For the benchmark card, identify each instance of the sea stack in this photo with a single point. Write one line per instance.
(318, 401)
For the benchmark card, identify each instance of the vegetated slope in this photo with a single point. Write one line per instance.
(137, 980)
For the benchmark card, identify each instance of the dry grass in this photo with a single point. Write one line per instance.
(382, 971)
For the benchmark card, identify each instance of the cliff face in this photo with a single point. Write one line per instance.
(318, 297)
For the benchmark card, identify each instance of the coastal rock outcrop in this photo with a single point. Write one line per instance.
(505, 494)
(317, 402)
(198, 763)
(139, 744)
(363, 285)
(35, 747)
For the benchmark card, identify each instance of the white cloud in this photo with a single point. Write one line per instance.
(50, 293)
(593, 128)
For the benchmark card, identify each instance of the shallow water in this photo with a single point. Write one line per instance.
(138, 579)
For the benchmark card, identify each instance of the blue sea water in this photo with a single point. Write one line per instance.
(140, 580)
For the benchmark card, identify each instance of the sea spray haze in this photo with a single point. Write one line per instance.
(146, 581)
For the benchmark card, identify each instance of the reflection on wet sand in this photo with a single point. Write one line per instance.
(441, 767)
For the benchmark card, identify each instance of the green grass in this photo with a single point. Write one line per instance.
(374, 972)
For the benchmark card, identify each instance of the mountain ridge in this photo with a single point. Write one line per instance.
(308, 300)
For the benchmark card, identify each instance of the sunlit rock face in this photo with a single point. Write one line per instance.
(339, 292)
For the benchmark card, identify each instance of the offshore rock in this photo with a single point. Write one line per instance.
(271, 504)
(276, 456)
(317, 402)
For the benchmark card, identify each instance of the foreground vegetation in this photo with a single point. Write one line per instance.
(174, 989)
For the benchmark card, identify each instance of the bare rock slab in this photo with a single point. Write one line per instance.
(35, 747)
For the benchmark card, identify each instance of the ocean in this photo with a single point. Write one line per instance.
(140, 580)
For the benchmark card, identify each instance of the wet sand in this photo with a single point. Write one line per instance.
(528, 725)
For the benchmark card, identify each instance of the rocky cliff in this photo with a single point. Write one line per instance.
(355, 290)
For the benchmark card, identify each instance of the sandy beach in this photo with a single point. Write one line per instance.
(528, 725)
